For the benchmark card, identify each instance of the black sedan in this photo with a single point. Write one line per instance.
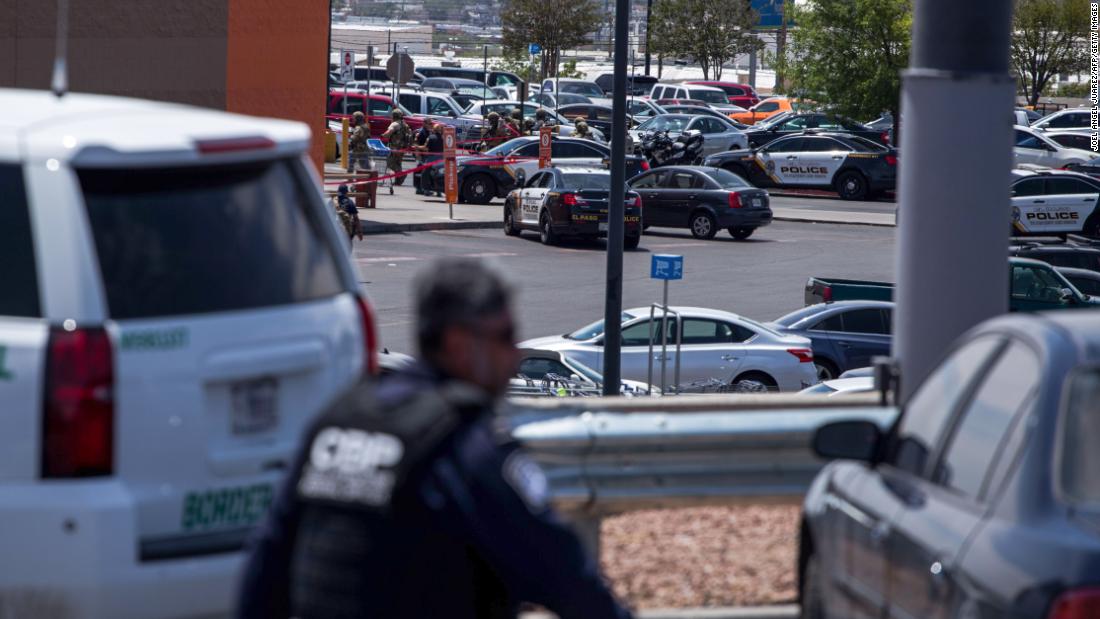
(982, 500)
(702, 200)
(1091, 167)
(793, 124)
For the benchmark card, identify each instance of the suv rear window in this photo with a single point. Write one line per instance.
(18, 275)
(1080, 430)
(205, 239)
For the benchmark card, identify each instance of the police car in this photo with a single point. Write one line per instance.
(855, 167)
(175, 304)
(1055, 201)
(569, 201)
(492, 174)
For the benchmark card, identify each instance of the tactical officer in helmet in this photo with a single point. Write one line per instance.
(407, 501)
(357, 143)
(399, 137)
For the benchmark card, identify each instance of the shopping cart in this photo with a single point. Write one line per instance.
(379, 152)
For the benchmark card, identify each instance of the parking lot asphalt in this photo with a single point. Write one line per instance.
(562, 288)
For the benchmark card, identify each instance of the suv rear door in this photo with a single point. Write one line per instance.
(233, 322)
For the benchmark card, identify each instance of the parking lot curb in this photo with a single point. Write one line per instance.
(389, 228)
(785, 611)
(811, 220)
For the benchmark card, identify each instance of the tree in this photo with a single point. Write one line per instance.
(713, 32)
(439, 10)
(1048, 38)
(552, 24)
(848, 54)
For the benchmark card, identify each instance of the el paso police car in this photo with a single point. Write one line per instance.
(854, 166)
(1055, 201)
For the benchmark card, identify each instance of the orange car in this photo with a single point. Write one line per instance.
(764, 109)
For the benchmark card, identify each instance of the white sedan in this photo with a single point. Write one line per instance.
(717, 346)
(1034, 147)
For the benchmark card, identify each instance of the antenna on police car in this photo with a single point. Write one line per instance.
(60, 82)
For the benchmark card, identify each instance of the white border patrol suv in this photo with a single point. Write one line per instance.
(1055, 201)
(176, 303)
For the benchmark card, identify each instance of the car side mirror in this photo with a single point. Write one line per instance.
(847, 440)
(521, 178)
(1068, 297)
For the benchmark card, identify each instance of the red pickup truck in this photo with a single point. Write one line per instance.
(379, 115)
(739, 94)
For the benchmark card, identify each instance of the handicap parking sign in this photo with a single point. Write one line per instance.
(666, 266)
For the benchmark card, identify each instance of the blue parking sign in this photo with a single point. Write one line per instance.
(666, 266)
(533, 48)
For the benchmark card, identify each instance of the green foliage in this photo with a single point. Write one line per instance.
(712, 32)
(521, 66)
(1076, 89)
(1048, 37)
(553, 24)
(570, 70)
(848, 54)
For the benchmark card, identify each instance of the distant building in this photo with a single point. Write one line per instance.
(357, 37)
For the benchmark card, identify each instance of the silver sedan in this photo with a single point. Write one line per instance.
(718, 137)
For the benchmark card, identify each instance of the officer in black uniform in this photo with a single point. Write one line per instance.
(406, 500)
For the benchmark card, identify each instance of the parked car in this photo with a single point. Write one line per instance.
(764, 109)
(1077, 118)
(792, 124)
(1033, 146)
(702, 110)
(703, 200)
(575, 86)
(536, 366)
(1058, 252)
(438, 106)
(494, 78)
(717, 345)
(378, 115)
(717, 137)
(845, 334)
(981, 500)
(642, 109)
(568, 200)
(1090, 167)
(636, 85)
(177, 305)
(841, 386)
(479, 109)
(1033, 286)
(463, 91)
(492, 174)
(553, 101)
(741, 95)
(1055, 202)
(378, 75)
(708, 95)
(1080, 139)
(598, 116)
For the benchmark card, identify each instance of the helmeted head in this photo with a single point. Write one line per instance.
(358, 118)
(397, 114)
(582, 126)
(493, 117)
(342, 190)
(540, 114)
(517, 114)
(464, 325)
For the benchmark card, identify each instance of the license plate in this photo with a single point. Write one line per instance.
(757, 202)
(254, 404)
(603, 227)
(225, 508)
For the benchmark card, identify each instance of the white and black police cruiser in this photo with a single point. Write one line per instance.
(855, 167)
(1055, 201)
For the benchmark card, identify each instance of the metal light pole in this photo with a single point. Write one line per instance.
(953, 207)
(613, 301)
(648, 14)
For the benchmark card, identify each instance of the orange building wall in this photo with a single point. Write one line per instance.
(277, 62)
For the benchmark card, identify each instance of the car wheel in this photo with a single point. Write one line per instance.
(812, 603)
(509, 222)
(741, 232)
(825, 369)
(546, 230)
(631, 242)
(479, 189)
(851, 186)
(754, 382)
(703, 225)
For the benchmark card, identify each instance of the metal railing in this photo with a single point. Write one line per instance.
(610, 455)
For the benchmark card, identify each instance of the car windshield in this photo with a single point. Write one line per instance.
(665, 123)
(771, 120)
(581, 88)
(507, 147)
(587, 181)
(710, 96)
(727, 179)
(588, 372)
(595, 329)
(1080, 466)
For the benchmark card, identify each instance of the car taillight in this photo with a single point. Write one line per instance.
(885, 137)
(232, 145)
(569, 199)
(79, 405)
(645, 165)
(891, 160)
(735, 199)
(805, 355)
(636, 202)
(1076, 604)
(370, 335)
(827, 294)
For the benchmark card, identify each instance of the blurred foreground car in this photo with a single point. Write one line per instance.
(983, 500)
(177, 304)
(542, 372)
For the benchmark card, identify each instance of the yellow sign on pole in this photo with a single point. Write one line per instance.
(344, 144)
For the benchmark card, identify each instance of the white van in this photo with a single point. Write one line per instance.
(175, 302)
